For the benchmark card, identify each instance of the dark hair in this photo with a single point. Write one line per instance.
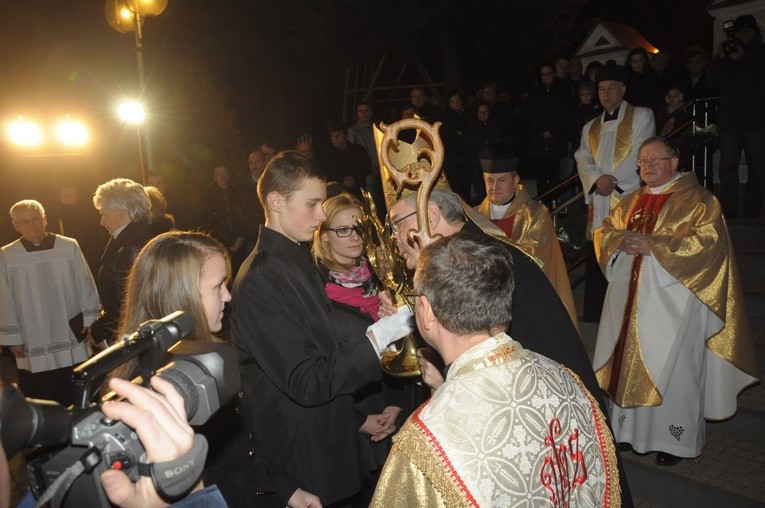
(285, 174)
(595, 65)
(638, 50)
(337, 127)
(669, 143)
(469, 282)
(695, 51)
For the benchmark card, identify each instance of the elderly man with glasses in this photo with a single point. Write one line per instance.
(48, 300)
(673, 345)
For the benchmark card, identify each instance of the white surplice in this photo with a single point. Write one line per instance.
(40, 292)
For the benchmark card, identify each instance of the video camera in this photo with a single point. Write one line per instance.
(730, 45)
(73, 447)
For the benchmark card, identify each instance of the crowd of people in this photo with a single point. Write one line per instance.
(280, 271)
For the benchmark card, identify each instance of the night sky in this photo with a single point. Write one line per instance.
(225, 74)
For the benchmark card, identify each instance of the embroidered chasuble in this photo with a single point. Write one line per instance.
(532, 436)
(529, 225)
(673, 341)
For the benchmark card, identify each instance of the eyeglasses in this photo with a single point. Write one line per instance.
(394, 224)
(652, 162)
(345, 231)
(28, 222)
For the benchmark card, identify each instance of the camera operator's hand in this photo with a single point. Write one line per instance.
(159, 419)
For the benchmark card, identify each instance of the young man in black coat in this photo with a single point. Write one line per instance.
(300, 365)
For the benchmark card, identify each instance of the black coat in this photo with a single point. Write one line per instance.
(542, 324)
(299, 371)
(116, 262)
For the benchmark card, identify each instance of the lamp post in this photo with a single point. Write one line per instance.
(126, 16)
(133, 112)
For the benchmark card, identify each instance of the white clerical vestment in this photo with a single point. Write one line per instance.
(611, 148)
(508, 427)
(669, 324)
(40, 292)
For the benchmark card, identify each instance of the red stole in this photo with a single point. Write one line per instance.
(642, 220)
(505, 224)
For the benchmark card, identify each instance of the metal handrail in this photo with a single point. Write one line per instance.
(560, 185)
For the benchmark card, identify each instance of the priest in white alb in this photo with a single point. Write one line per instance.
(673, 345)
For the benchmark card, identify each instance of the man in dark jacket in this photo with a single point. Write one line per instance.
(300, 366)
(739, 71)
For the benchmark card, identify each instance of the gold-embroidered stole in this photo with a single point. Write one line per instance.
(642, 220)
(623, 137)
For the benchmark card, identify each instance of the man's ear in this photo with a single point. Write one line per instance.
(275, 201)
(434, 216)
(427, 317)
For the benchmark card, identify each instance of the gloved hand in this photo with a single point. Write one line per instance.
(391, 328)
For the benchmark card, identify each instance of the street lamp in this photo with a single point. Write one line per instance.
(49, 139)
(25, 133)
(133, 112)
(60, 137)
(126, 16)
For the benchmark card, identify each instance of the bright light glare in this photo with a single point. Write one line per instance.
(131, 112)
(126, 13)
(71, 132)
(25, 133)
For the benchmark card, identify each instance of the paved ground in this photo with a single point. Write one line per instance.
(731, 470)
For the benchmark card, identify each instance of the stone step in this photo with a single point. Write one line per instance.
(750, 268)
(729, 472)
(755, 308)
(747, 236)
(731, 469)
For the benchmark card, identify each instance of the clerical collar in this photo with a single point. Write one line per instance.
(498, 211)
(45, 244)
(660, 188)
(611, 116)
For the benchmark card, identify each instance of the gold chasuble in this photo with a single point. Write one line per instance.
(530, 436)
(528, 224)
(688, 238)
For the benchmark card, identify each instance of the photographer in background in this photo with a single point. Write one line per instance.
(739, 70)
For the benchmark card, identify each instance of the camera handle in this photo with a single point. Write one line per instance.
(58, 489)
(174, 479)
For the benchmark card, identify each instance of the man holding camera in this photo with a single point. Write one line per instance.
(739, 70)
